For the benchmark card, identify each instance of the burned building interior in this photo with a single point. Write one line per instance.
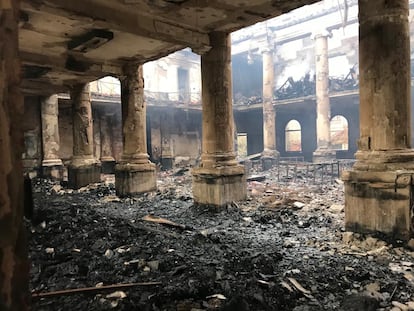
(206, 155)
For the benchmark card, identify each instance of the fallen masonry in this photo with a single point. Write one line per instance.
(284, 248)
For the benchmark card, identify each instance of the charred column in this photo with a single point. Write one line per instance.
(167, 154)
(14, 265)
(378, 189)
(324, 151)
(52, 165)
(270, 155)
(84, 167)
(107, 158)
(219, 179)
(135, 173)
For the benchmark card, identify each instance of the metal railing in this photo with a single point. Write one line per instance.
(177, 98)
(101, 90)
(306, 172)
(291, 89)
(317, 173)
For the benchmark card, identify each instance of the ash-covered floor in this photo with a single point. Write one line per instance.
(284, 248)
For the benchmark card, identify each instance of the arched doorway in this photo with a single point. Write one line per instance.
(293, 136)
(339, 133)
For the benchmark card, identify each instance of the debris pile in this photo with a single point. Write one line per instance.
(284, 248)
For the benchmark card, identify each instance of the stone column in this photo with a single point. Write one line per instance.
(134, 173)
(52, 165)
(96, 129)
(167, 154)
(378, 189)
(84, 167)
(324, 151)
(14, 265)
(270, 155)
(219, 179)
(107, 158)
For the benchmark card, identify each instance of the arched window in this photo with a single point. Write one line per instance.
(339, 133)
(293, 136)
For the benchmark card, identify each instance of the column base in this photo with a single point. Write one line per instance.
(167, 163)
(52, 169)
(324, 155)
(108, 166)
(269, 158)
(379, 194)
(83, 175)
(267, 163)
(132, 179)
(219, 186)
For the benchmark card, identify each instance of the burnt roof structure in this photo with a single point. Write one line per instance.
(67, 42)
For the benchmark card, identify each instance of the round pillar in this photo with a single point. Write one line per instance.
(134, 173)
(107, 159)
(52, 165)
(378, 189)
(219, 179)
(324, 151)
(270, 154)
(84, 167)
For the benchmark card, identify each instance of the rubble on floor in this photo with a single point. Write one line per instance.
(283, 249)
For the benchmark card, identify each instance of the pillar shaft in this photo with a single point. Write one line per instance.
(135, 173)
(322, 92)
(82, 122)
(52, 166)
(14, 265)
(378, 190)
(323, 109)
(269, 123)
(106, 138)
(134, 115)
(217, 127)
(384, 57)
(107, 158)
(219, 179)
(84, 167)
(50, 130)
(167, 153)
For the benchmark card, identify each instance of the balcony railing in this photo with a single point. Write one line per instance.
(175, 98)
(111, 91)
(108, 91)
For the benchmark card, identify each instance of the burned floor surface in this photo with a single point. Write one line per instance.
(282, 249)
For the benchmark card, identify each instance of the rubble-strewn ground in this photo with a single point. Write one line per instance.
(283, 249)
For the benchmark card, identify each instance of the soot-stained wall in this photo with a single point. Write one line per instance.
(176, 130)
(251, 123)
(181, 129)
(348, 107)
(304, 112)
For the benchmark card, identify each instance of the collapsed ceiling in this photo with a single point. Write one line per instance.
(67, 42)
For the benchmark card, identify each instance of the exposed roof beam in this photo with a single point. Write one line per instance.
(128, 20)
(30, 87)
(69, 62)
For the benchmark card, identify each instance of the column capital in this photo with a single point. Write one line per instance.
(266, 49)
(50, 104)
(131, 68)
(373, 11)
(321, 33)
